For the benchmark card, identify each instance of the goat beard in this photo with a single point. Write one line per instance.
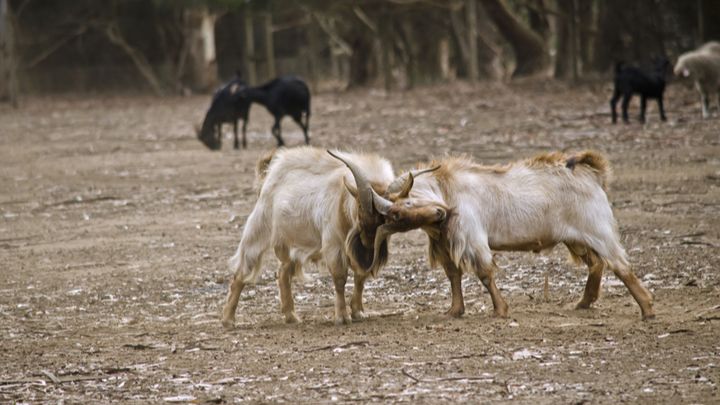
(366, 259)
(382, 234)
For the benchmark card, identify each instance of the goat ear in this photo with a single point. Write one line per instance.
(350, 188)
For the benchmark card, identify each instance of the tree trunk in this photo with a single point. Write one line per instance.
(249, 50)
(566, 60)
(8, 58)
(359, 61)
(461, 38)
(586, 19)
(562, 60)
(573, 49)
(385, 41)
(269, 45)
(201, 58)
(701, 23)
(313, 38)
(407, 42)
(708, 17)
(537, 17)
(530, 50)
(472, 34)
(444, 58)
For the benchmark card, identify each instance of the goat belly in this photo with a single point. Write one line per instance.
(524, 246)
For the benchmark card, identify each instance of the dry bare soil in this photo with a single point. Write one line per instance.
(116, 225)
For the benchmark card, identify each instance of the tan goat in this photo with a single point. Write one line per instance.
(469, 210)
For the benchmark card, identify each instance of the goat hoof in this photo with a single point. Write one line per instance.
(500, 312)
(291, 318)
(455, 312)
(648, 317)
(582, 305)
(228, 324)
(345, 320)
(359, 316)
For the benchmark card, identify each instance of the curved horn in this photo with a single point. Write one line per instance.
(402, 185)
(381, 204)
(364, 190)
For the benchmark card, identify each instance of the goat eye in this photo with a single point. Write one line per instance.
(408, 204)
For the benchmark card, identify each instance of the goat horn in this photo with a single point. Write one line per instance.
(402, 185)
(381, 204)
(364, 190)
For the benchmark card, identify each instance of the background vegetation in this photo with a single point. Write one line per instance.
(180, 46)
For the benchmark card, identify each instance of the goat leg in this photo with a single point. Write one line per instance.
(228, 314)
(592, 287)
(643, 106)
(661, 107)
(487, 277)
(287, 305)
(642, 296)
(625, 104)
(236, 144)
(457, 306)
(357, 312)
(339, 276)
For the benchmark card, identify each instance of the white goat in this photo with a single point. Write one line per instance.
(469, 210)
(309, 208)
(703, 67)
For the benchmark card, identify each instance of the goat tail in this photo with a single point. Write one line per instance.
(261, 169)
(247, 260)
(595, 161)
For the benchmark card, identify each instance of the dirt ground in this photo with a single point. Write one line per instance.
(116, 225)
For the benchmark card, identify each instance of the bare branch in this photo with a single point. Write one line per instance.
(54, 47)
(365, 19)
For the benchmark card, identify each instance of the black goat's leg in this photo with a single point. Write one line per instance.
(306, 127)
(218, 133)
(244, 128)
(643, 106)
(236, 144)
(662, 108)
(613, 104)
(277, 133)
(625, 103)
(299, 121)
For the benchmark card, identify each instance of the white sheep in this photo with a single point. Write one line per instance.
(703, 67)
(468, 210)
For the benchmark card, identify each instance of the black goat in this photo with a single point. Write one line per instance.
(630, 80)
(285, 95)
(227, 106)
